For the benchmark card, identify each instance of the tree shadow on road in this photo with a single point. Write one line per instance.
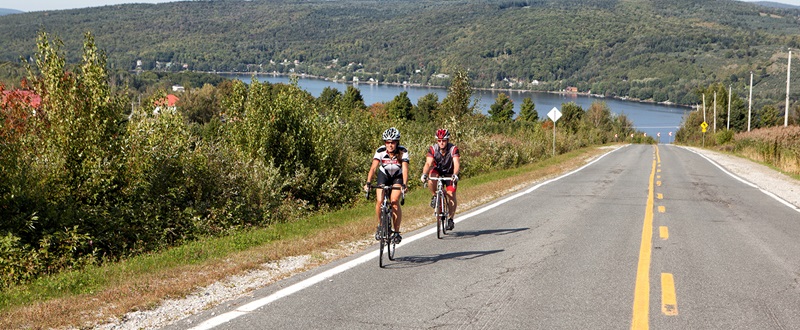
(416, 261)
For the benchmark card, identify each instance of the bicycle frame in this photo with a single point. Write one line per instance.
(385, 229)
(441, 210)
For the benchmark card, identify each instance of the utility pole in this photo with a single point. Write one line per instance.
(750, 102)
(788, 75)
(715, 112)
(704, 107)
(729, 108)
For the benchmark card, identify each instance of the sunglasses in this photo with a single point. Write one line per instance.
(390, 142)
(441, 140)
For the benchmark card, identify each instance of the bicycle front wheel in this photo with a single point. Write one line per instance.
(384, 233)
(443, 214)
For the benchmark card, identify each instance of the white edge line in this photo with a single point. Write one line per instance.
(256, 304)
(765, 192)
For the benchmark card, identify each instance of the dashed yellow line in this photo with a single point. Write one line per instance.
(662, 209)
(663, 232)
(669, 302)
(660, 196)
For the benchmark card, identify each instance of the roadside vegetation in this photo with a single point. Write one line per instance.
(758, 134)
(104, 196)
(629, 49)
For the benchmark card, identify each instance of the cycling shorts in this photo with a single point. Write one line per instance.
(390, 180)
(449, 185)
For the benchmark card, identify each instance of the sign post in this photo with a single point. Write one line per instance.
(554, 114)
(704, 126)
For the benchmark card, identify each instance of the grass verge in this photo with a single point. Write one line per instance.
(101, 294)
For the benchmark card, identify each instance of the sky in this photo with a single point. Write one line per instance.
(39, 5)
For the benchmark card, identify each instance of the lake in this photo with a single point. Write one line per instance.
(653, 119)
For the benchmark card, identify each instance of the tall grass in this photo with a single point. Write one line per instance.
(776, 146)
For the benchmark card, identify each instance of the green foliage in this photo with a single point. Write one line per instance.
(88, 180)
(400, 107)
(352, 100)
(502, 110)
(425, 108)
(457, 102)
(571, 116)
(768, 116)
(527, 111)
(723, 137)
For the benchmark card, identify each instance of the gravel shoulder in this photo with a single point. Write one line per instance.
(176, 310)
(767, 179)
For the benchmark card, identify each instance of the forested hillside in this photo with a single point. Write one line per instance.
(634, 48)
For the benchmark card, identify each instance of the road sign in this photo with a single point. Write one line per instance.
(704, 126)
(554, 114)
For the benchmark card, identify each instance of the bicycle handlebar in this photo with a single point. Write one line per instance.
(385, 187)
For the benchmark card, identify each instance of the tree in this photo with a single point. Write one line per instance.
(527, 111)
(329, 98)
(200, 105)
(352, 100)
(400, 107)
(768, 116)
(571, 116)
(426, 106)
(502, 110)
(457, 102)
(599, 115)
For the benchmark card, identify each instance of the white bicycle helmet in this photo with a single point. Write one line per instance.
(391, 134)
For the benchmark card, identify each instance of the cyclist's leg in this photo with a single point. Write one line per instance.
(452, 200)
(382, 179)
(451, 204)
(397, 212)
(432, 186)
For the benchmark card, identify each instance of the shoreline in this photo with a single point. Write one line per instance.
(309, 76)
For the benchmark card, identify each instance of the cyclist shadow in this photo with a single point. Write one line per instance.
(417, 261)
(476, 233)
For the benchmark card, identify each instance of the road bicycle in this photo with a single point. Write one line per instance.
(441, 206)
(385, 233)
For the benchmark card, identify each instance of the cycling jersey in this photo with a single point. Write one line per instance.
(443, 164)
(390, 165)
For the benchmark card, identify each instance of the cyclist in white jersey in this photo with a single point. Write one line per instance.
(443, 160)
(391, 162)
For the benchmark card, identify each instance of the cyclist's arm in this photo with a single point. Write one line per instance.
(427, 167)
(456, 165)
(405, 174)
(372, 168)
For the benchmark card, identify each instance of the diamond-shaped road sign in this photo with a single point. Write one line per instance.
(554, 114)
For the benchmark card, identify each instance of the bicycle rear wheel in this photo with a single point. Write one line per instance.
(392, 246)
(437, 215)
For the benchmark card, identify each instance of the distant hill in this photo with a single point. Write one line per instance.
(660, 51)
(775, 5)
(5, 11)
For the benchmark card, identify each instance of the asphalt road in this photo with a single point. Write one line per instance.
(644, 237)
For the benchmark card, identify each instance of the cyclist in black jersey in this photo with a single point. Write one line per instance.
(443, 160)
(391, 164)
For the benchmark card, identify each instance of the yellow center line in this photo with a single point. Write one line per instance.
(641, 294)
(663, 232)
(662, 209)
(669, 302)
(660, 196)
